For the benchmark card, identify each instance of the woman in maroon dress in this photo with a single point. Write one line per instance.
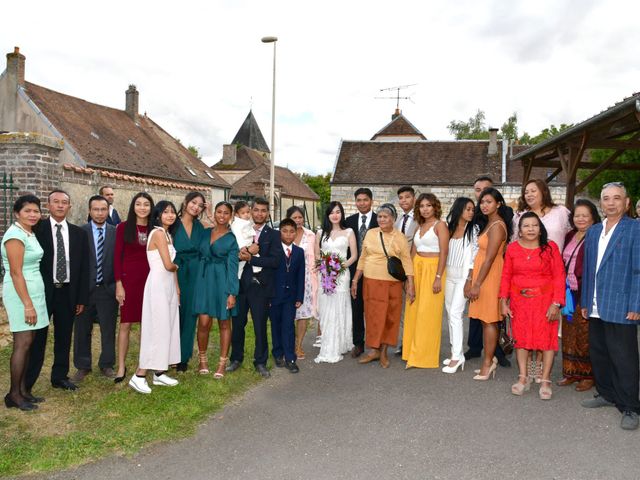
(130, 269)
(532, 291)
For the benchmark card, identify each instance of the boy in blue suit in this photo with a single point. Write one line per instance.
(289, 295)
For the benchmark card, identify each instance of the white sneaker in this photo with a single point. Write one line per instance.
(164, 380)
(318, 342)
(139, 384)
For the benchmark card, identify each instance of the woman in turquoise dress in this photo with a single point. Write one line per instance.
(217, 286)
(23, 295)
(187, 242)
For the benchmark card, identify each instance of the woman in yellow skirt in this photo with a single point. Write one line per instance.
(423, 316)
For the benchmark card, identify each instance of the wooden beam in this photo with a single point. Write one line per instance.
(553, 175)
(615, 144)
(588, 165)
(528, 165)
(603, 166)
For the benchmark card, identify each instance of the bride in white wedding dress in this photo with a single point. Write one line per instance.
(335, 308)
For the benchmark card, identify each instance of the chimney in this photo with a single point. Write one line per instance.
(396, 114)
(15, 66)
(229, 153)
(493, 141)
(131, 107)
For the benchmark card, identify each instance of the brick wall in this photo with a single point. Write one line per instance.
(445, 193)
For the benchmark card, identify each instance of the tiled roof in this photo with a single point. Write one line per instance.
(250, 135)
(254, 182)
(246, 159)
(399, 126)
(107, 138)
(133, 178)
(421, 162)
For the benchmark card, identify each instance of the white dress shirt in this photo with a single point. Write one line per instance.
(602, 247)
(65, 239)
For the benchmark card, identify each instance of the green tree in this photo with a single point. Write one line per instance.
(546, 133)
(195, 151)
(509, 128)
(472, 129)
(319, 184)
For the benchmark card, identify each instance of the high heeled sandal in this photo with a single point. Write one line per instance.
(545, 392)
(519, 388)
(222, 364)
(492, 371)
(203, 368)
(299, 353)
(537, 374)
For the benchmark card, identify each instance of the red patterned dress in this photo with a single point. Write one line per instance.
(532, 279)
(131, 267)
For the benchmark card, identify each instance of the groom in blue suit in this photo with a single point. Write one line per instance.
(611, 302)
(289, 295)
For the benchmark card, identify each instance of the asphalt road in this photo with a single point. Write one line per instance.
(351, 421)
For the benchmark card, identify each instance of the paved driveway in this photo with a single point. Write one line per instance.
(350, 421)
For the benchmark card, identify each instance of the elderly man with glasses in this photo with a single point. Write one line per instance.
(611, 302)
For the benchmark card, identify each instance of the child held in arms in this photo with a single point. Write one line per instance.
(243, 231)
(289, 295)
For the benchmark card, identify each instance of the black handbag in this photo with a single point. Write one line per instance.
(394, 264)
(505, 338)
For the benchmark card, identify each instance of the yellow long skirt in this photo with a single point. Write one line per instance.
(423, 317)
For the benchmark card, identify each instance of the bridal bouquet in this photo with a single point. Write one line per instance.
(330, 266)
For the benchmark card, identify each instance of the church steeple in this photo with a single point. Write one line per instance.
(250, 135)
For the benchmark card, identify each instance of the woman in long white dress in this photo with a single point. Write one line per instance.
(334, 308)
(160, 326)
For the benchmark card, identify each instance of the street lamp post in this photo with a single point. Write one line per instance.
(272, 170)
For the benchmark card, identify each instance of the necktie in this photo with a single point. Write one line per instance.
(405, 217)
(288, 252)
(256, 237)
(99, 255)
(363, 229)
(61, 259)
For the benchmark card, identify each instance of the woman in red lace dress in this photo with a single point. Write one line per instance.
(532, 291)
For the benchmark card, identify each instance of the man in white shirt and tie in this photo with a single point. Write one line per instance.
(360, 222)
(406, 224)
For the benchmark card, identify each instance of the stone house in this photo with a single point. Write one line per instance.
(52, 140)
(399, 154)
(245, 164)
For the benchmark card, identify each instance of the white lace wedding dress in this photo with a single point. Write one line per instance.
(335, 309)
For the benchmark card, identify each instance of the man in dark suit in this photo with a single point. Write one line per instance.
(474, 339)
(65, 272)
(256, 289)
(107, 192)
(611, 302)
(289, 295)
(360, 222)
(103, 305)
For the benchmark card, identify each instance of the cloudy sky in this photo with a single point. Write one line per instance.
(200, 66)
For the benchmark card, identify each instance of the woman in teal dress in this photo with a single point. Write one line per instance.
(23, 295)
(187, 242)
(217, 286)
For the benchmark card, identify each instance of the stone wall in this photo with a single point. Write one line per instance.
(445, 193)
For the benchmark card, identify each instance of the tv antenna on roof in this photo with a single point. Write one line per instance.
(397, 97)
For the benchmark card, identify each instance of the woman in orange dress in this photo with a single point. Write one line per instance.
(483, 287)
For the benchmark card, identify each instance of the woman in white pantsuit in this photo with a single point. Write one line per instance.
(160, 326)
(459, 265)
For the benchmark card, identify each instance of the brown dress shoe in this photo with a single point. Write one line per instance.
(370, 357)
(384, 359)
(80, 375)
(357, 351)
(566, 381)
(108, 372)
(584, 385)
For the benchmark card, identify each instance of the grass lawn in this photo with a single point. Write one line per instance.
(101, 418)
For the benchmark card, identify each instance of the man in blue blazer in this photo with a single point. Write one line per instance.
(289, 295)
(611, 302)
(102, 306)
(256, 289)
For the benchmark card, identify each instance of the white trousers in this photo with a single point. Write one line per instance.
(454, 303)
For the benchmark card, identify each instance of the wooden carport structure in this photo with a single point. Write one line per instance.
(617, 128)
